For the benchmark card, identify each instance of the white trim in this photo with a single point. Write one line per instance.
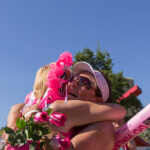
(28, 113)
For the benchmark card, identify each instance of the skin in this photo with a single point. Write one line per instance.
(100, 136)
(81, 92)
(96, 112)
(88, 104)
(81, 113)
(11, 120)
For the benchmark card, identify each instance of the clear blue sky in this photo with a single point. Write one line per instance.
(34, 32)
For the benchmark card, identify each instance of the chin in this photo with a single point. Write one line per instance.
(70, 97)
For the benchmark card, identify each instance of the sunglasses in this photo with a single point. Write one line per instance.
(83, 81)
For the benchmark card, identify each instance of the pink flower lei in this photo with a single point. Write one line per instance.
(55, 80)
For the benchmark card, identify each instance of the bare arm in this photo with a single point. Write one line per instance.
(14, 113)
(84, 112)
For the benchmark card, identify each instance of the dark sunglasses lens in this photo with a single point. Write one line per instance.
(85, 82)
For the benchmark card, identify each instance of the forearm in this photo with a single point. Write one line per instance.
(14, 113)
(80, 112)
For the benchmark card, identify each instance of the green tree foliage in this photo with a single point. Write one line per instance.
(132, 105)
(146, 135)
(1, 131)
(100, 60)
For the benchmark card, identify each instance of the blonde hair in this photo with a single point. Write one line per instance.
(40, 81)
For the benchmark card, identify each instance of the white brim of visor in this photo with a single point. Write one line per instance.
(100, 80)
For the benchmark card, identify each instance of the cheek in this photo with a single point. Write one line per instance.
(82, 93)
(86, 94)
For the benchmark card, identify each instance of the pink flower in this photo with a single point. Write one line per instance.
(57, 142)
(65, 143)
(41, 117)
(58, 119)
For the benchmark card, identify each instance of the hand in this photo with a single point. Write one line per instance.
(5, 135)
(30, 108)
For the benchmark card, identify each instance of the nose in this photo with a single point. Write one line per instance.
(74, 83)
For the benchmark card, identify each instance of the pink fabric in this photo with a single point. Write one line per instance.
(73, 132)
(27, 98)
(65, 143)
(42, 103)
(54, 80)
(58, 143)
(67, 134)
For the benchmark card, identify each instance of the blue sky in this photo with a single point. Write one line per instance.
(35, 32)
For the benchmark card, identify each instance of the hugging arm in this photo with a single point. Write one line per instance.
(14, 113)
(80, 113)
(84, 112)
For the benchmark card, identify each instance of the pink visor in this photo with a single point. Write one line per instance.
(100, 80)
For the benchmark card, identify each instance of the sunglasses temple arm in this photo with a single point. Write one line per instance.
(66, 95)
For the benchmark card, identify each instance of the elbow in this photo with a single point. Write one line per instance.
(117, 112)
(16, 108)
(121, 113)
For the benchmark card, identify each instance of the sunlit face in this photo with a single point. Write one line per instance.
(85, 91)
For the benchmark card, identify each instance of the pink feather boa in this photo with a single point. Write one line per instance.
(54, 80)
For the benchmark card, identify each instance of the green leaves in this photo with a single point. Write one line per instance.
(9, 130)
(100, 60)
(20, 123)
(33, 146)
(11, 139)
(17, 139)
(28, 130)
(49, 111)
(28, 133)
